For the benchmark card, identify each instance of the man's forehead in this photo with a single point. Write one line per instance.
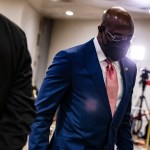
(117, 21)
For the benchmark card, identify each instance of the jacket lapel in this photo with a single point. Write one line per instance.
(92, 64)
(124, 70)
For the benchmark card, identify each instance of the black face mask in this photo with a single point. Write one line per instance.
(116, 50)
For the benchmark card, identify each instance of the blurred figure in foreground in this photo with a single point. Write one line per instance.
(16, 103)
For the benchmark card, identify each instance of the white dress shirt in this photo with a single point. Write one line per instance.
(101, 57)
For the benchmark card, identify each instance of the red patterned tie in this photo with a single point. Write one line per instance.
(111, 85)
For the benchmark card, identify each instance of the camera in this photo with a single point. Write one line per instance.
(144, 77)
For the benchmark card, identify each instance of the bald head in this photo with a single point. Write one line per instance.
(117, 17)
(115, 33)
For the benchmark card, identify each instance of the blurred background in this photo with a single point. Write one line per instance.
(54, 25)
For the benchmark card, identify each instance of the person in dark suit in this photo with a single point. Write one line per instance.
(91, 85)
(17, 109)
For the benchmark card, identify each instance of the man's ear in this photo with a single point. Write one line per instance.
(101, 28)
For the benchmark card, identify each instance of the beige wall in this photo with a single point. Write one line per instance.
(68, 33)
(30, 20)
(27, 18)
(12, 10)
(142, 36)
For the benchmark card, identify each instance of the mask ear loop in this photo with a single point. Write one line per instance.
(103, 38)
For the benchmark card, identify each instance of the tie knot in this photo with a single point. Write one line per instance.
(109, 62)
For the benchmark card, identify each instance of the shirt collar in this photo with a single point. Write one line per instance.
(100, 54)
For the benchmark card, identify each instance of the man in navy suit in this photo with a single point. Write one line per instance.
(75, 83)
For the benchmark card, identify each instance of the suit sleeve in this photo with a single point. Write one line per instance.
(52, 92)
(124, 137)
(19, 110)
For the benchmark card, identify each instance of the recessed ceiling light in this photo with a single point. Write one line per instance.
(69, 13)
(104, 11)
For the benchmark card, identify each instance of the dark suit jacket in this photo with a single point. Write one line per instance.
(74, 82)
(16, 103)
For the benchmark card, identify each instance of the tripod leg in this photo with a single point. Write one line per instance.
(147, 106)
(137, 123)
(146, 103)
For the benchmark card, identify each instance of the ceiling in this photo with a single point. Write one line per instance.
(89, 9)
